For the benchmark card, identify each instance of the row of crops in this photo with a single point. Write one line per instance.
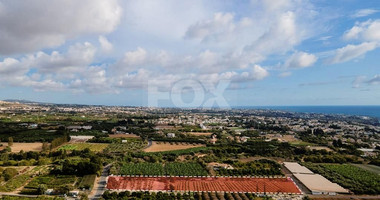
(50, 181)
(172, 169)
(184, 196)
(357, 180)
(130, 146)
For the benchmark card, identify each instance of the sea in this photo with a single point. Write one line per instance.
(371, 111)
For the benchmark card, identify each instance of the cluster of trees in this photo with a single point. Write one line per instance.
(8, 173)
(60, 140)
(259, 167)
(81, 168)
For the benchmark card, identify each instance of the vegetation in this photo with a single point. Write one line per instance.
(258, 167)
(87, 182)
(170, 169)
(353, 178)
(82, 146)
(50, 181)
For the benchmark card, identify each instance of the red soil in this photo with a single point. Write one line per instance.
(253, 185)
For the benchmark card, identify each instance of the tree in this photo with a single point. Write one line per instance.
(45, 146)
(41, 189)
(10, 141)
(9, 173)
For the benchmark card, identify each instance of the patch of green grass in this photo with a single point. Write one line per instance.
(97, 147)
(301, 143)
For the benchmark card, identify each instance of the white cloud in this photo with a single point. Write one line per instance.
(364, 12)
(280, 38)
(350, 52)
(105, 44)
(365, 31)
(36, 24)
(375, 80)
(300, 60)
(216, 29)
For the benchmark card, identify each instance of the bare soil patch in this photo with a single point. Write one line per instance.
(200, 133)
(166, 146)
(17, 147)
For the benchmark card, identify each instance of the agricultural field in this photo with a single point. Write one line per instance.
(371, 168)
(81, 146)
(200, 133)
(300, 143)
(257, 167)
(132, 145)
(166, 146)
(123, 136)
(213, 184)
(357, 180)
(172, 169)
(87, 182)
(51, 181)
(17, 147)
(188, 195)
(19, 180)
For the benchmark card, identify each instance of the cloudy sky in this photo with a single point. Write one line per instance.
(283, 52)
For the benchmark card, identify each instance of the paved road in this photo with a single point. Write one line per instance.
(149, 144)
(100, 185)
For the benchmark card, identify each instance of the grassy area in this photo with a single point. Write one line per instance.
(301, 143)
(20, 180)
(87, 181)
(97, 147)
(131, 145)
(357, 180)
(50, 181)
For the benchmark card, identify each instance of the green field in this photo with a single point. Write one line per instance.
(172, 169)
(132, 145)
(87, 182)
(371, 168)
(301, 143)
(97, 147)
(52, 181)
(357, 180)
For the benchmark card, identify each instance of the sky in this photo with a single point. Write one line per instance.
(191, 53)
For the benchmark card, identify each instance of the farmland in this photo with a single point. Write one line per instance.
(222, 184)
(17, 147)
(81, 146)
(188, 195)
(257, 167)
(19, 180)
(51, 181)
(371, 168)
(351, 177)
(166, 146)
(172, 169)
(131, 145)
(123, 136)
(200, 133)
(87, 181)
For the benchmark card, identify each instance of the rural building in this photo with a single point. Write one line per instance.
(296, 168)
(318, 184)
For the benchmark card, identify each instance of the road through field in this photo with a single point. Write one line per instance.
(100, 184)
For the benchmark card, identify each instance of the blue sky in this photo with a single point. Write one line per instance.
(180, 53)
